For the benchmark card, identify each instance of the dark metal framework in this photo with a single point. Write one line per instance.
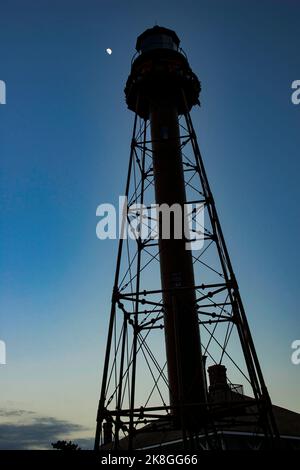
(135, 389)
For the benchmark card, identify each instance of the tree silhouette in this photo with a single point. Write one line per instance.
(66, 446)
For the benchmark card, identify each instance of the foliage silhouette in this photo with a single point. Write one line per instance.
(65, 446)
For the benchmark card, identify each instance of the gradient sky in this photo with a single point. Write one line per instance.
(64, 145)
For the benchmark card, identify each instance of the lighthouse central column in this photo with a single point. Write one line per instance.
(182, 337)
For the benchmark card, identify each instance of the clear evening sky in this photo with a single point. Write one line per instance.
(64, 146)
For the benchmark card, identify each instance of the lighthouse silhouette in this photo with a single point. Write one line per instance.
(178, 329)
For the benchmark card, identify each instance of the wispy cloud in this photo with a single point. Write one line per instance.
(24, 429)
(15, 413)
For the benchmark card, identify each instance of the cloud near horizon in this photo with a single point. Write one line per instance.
(25, 430)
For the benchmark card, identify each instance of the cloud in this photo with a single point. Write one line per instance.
(15, 413)
(36, 432)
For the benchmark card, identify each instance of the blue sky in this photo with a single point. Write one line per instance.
(64, 144)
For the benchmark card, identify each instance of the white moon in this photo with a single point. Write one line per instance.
(109, 51)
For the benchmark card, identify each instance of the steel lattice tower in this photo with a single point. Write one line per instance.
(166, 294)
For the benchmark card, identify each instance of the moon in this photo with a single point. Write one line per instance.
(109, 51)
